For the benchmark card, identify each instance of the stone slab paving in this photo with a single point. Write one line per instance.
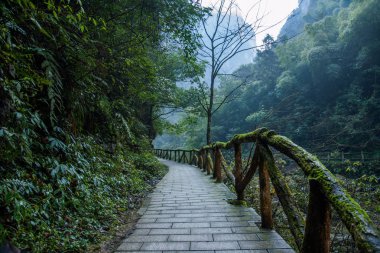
(189, 212)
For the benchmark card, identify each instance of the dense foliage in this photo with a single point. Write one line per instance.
(320, 88)
(81, 87)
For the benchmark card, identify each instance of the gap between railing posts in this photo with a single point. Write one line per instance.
(312, 235)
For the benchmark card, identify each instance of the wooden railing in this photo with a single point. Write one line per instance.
(178, 155)
(312, 235)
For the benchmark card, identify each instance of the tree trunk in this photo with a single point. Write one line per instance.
(208, 135)
(209, 109)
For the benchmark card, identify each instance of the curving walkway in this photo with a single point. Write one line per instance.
(189, 212)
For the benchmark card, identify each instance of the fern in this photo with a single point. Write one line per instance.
(50, 66)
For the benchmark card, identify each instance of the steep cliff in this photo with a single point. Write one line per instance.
(310, 11)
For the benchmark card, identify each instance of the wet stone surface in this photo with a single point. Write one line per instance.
(189, 212)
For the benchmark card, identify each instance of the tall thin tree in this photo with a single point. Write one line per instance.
(226, 34)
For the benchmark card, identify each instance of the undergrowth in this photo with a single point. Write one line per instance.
(68, 195)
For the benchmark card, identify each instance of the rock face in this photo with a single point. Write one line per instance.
(295, 23)
(310, 11)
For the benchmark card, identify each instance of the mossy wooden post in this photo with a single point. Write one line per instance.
(364, 232)
(318, 221)
(293, 215)
(218, 165)
(200, 160)
(196, 159)
(209, 163)
(238, 172)
(204, 159)
(214, 171)
(185, 160)
(265, 197)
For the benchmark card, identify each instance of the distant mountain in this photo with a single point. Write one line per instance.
(235, 62)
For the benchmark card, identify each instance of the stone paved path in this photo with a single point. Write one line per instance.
(189, 212)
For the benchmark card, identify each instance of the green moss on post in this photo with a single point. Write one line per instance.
(318, 222)
(265, 196)
(209, 163)
(238, 172)
(218, 165)
(353, 216)
(294, 216)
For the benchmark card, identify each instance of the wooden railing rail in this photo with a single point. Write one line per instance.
(178, 155)
(312, 235)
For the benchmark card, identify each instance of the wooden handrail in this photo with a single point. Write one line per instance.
(325, 191)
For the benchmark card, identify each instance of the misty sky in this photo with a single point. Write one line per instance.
(273, 12)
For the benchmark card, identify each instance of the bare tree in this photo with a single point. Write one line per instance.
(228, 35)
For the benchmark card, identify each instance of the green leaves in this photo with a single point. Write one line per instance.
(80, 86)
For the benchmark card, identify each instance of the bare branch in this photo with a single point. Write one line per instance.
(231, 93)
(166, 113)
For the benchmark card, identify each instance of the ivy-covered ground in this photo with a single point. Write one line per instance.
(69, 201)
